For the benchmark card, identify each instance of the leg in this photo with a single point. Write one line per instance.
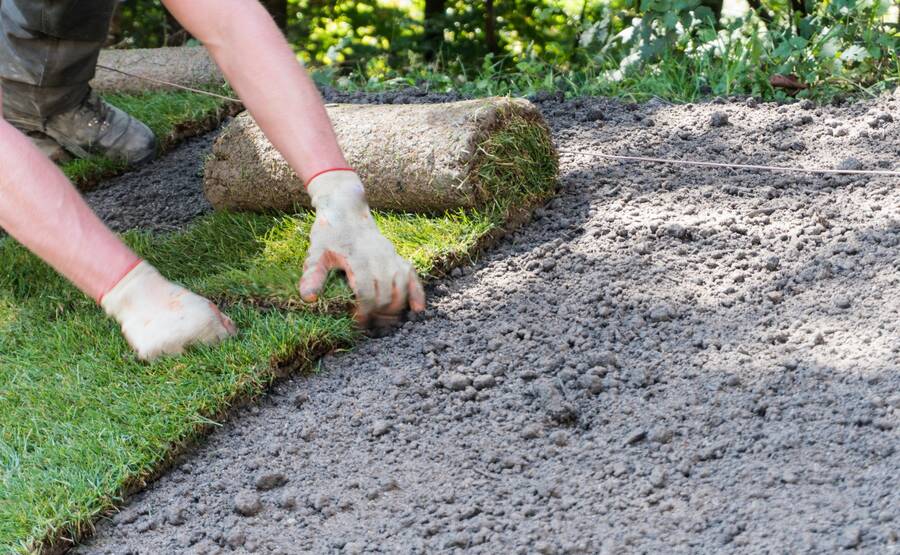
(48, 50)
(48, 55)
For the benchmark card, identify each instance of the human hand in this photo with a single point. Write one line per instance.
(344, 236)
(159, 317)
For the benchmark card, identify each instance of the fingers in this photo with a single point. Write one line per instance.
(406, 291)
(390, 305)
(416, 292)
(228, 324)
(314, 274)
(228, 329)
(170, 331)
(366, 305)
(398, 297)
(384, 286)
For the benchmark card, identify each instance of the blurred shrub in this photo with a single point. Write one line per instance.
(845, 43)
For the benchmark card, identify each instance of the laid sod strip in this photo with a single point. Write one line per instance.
(81, 421)
(423, 158)
(172, 115)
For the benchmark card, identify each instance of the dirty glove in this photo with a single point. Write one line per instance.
(345, 236)
(159, 317)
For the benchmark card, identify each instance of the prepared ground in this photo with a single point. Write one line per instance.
(666, 360)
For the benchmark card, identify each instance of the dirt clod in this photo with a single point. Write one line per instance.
(270, 480)
(247, 503)
(300, 399)
(718, 119)
(381, 427)
(455, 381)
(484, 381)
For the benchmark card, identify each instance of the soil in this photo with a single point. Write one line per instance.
(665, 360)
(163, 196)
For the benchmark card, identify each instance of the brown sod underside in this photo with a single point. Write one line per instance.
(412, 158)
(189, 66)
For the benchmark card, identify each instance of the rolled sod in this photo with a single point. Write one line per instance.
(413, 158)
(190, 66)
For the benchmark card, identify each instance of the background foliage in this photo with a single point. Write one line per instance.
(673, 48)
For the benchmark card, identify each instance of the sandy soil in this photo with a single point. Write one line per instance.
(666, 360)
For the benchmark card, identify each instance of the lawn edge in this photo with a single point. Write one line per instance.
(277, 370)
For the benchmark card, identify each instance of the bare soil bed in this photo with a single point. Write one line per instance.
(666, 360)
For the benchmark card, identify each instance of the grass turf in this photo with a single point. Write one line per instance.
(81, 420)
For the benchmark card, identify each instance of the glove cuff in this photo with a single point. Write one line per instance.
(132, 285)
(336, 188)
(112, 284)
(323, 172)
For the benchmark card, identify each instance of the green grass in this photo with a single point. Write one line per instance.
(513, 164)
(81, 418)
(82, 421)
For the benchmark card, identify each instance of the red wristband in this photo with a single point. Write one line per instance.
(120, 278)
(317, 174)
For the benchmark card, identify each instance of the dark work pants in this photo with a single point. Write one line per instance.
(48, 53)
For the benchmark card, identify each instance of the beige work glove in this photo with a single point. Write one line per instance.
(344, 236)
(159, 317)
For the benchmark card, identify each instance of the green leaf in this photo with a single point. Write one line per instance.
(705, 14)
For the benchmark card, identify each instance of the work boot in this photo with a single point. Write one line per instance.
(49, 147)
(94, 127)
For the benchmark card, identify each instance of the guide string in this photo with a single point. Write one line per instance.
(168, 84)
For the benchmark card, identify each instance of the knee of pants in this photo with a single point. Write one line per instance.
(78, 20)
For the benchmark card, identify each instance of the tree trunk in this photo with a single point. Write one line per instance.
(435, 10)
(278, 10)
(490, 27)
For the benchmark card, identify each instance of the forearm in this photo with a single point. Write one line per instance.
(262, 68)
(44, 212)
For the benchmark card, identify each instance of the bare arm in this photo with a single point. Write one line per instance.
(262, 68)
(44, 212)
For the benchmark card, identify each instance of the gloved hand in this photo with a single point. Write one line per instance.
(159, 317)
(345, 236)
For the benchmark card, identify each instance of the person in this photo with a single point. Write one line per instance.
(52, 45)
